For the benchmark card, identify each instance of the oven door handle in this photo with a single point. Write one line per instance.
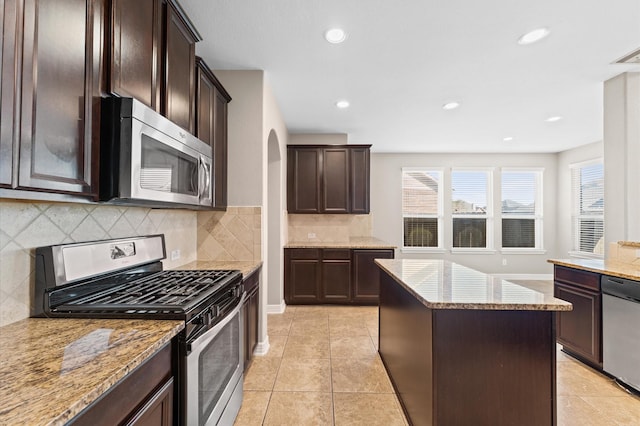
(206, 337)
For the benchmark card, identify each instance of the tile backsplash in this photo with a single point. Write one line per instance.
(328, 228)
(625, 252)
(27, 225)
(230, 235)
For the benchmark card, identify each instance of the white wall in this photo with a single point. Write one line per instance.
(564, 238)
(245, 136)
(622, 158)
(386, 197)
(318, 138)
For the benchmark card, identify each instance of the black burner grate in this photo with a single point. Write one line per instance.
(175, 291)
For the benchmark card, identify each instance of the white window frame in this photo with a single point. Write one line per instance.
(575, 211)
(538, 215)
(488, 216)
(439, 216)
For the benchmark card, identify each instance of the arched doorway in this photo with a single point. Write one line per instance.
(275, 288)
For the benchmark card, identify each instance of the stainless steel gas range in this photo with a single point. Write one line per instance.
(123, 278)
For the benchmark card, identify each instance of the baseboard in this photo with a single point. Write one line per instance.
(262, 348)
(276, 309)
(545, 277)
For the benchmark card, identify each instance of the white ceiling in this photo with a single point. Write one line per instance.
(404, 59)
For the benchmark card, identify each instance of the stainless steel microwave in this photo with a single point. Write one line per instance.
(147, 160)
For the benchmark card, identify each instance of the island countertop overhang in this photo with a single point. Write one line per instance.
(440, 284)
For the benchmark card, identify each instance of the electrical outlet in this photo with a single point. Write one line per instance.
(311, 235)
(175, 254)
(504, 261)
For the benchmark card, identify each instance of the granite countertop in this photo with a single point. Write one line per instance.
(440, 284)
(354, 243)
(52, 369)
(246, 267)
(606, 267)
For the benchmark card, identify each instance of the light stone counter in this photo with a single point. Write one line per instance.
(52, 369)
(246, 267)
(353, 243)
(440, 284)
(609, 267)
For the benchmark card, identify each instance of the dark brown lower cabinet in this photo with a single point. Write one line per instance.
(366, 275)
(144, 397)
(251, 315)
(332, 275)
(302, 276)
(580, 330)
(335, 276)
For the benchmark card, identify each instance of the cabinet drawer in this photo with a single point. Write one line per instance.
(576, 277)
(336, 254)
(303, 253)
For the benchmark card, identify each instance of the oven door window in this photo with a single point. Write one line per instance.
(166, 169)
(217, 364)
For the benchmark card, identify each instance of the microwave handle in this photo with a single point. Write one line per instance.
(205, 179)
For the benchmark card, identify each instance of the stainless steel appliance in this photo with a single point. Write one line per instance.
(621, 329)
(123, 278)
(145, 159)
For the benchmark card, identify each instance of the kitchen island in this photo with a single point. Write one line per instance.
(462, 347)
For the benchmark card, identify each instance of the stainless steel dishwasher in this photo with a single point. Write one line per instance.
(621, 329)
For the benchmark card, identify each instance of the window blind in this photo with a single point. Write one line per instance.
(421, 210)
(470, 207)
(520, 212)
(587, 182)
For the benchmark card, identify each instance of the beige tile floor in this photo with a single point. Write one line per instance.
(323, 369)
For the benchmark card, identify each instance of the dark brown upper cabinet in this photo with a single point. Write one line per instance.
(152, 57)
(61, 59)
(8, 29)
(328, 179)
(211, 126)
(180, 68)
(136, 50)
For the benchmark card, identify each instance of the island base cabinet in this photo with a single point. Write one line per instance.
(463, 367)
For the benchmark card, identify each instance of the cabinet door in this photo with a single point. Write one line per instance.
(158, 411)
(205, 98)
(219, 150)
(302, 276)
(335, 180)
(359, 180)
(366, 274)
(254, 302)
(303, 180)
(62, 50)
(136, 46)
(336, 275)
(180, 62)
(8, 29)
(579, 330)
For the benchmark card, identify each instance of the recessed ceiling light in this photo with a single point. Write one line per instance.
(534, 36)
(342, 104)
(508, 139)
(553, 119)
(451, 105)
(335, 35)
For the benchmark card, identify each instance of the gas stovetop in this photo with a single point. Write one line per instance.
(124, 279)
(154, 292)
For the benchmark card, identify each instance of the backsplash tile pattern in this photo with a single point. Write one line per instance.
(625, 252)
(328, 228)
(231, 235)
(26, 225)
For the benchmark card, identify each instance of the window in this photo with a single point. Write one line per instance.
(521, 208)
(587, 188)
(421, 208)
(471, 208)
